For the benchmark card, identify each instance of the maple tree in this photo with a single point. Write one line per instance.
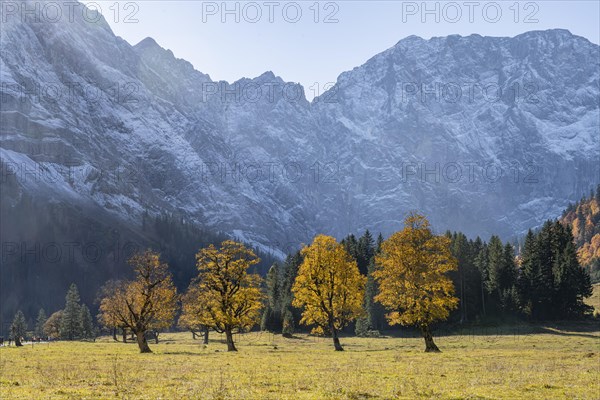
(225, 297)
(411, 273)
(147, 302)
(329, 287)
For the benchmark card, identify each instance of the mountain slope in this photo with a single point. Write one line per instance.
(421, 106)
(584, 219)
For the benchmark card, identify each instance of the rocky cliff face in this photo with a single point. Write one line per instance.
(485, 135)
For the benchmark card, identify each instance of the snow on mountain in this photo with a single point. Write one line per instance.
(485, 135)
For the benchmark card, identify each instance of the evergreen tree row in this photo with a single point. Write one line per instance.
(545, 281)
(74, 322)
(551, 282)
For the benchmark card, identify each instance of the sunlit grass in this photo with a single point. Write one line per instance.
(556, 365)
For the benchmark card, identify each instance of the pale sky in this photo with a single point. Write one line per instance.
(313, 42)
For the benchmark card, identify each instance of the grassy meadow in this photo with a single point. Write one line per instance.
(513, 363)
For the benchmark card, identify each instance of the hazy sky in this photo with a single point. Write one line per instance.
(313, 42)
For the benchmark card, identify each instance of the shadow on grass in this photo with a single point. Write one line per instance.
(294, 337)
(183, 353)
(560, 331)
(566, 328)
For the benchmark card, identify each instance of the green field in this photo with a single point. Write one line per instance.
(546, 363)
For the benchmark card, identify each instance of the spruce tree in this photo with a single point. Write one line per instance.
(481, 263)
(273, 287)
(370, 293)
(351, 245)
(476, 280)
(364, 252)
(87, 328)
(572, 284)
(547, 259)
(374, 312)
(266, 318)
(473, 280)
(459, 247)
(501, 282)
(362, 327)
(379, 243)
(71, 318)
(288, 323)
(509, 271)
(39, 323)
(495, 265)
(290, 271)
(18, 328)
(271, 318)
(529, 284)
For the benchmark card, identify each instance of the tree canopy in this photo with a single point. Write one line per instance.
(329, 287)
(147, 302)
(412, 275)
(225, 296)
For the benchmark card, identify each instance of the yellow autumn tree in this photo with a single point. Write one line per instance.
(226, 297)
(193, 312)
(411, 271)
(108, 316)
(147, 302)
(329, 287)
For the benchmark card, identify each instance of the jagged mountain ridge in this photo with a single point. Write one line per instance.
(170, 138)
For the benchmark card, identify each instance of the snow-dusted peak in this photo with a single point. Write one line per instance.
(147, 42)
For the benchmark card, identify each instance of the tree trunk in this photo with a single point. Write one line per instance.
(114, 334)
(463, 303)
(124, 332)
(482, 297)
(430, 346)
(205, 339)
(462, 299)
(194, 334)
(142, 342)
(156, 337)
(336, 340)
(466, 305)
(229, 337)
(18, 342)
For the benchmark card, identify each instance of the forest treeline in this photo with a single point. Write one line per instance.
(543, 282)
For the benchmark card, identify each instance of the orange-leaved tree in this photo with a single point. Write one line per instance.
(329, 287)
(411, 271)
(147, 302)
(226, 298)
